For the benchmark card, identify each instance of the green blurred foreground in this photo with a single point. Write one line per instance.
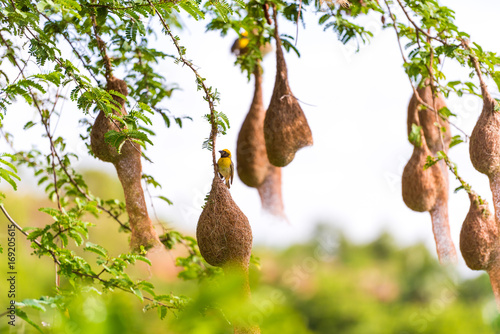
(328, 285)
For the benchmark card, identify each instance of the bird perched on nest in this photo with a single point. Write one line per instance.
(225, 167)
(240, 45)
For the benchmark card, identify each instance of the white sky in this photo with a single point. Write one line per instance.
(350, 177)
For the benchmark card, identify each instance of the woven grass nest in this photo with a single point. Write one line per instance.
(427, 189)
(223, 232)
(285, 127)
(484, 148)
(251, 156)
(427, 118)
(102, 125)
(479, 236)
(129, 169)
(421, 188)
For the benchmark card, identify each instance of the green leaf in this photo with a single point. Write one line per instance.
(441, 155)
(166, 200)
(162, 311)
(33, 303)
(445, 113)
(415, 136)
(99, 250)
(28, 125)
(455, 140)
(51, 211)
(21, 314)
(143, 259)
(430, 161)
(138, 293)
(6, 174)
(76, 237)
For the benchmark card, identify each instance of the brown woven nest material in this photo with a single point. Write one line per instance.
(427, 118)
(129, 169)
(102, 125)
(285, 127)
(270, 192)
(480, 231)
(223, 232)
(421, 187)
(427, 189)
(251, 155)
(484, 148)
(479, 236)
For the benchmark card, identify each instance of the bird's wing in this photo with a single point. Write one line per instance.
(232, 172)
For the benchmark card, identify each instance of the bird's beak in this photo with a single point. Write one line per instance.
(220, 152)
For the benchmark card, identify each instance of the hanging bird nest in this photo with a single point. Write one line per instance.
(484, 148)
(421, 187)
(427, 189)
(251, 156)
(479, 236)
(102, 124)
(285, 126)
(129, 169)
(427, 118)
(225, 240)
(223, 232)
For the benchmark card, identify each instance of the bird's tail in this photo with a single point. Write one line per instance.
(227, 184)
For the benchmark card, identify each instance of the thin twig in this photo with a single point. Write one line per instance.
(419, 99)
(17, 226)
(56, 260)
(418, 29)
(200, 80)
(84, 193)
(59, 159)
(463, 132)
(297, 23)
(475, 62)
(84, 63)
(102, 48)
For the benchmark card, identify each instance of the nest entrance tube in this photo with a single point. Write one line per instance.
(129, 169)
(285, 126)
(270, 192)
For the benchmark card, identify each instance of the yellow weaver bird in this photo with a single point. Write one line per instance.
(225, 167)
(240, 45)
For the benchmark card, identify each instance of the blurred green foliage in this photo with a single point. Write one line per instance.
(327, 285)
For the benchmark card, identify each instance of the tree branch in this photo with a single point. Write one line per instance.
(201, 81)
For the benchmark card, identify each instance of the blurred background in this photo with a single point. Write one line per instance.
(350, 257)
